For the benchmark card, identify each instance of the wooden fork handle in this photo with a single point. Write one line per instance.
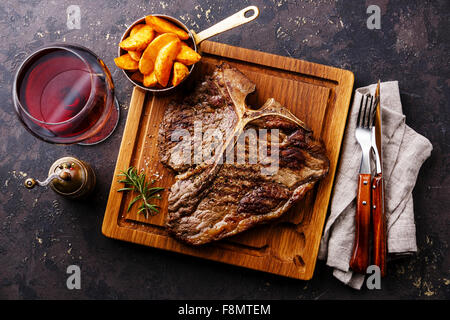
(379, 224)
(360, 256)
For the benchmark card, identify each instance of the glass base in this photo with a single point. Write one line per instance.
(107, 129)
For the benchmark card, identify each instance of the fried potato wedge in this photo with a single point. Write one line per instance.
(164, 61)
(135, 55)
(139, 40)
(136, 28)
(150, 80)
(163, 26)
(125, 62)
(187, 55)
(148, 58)
(180, 71)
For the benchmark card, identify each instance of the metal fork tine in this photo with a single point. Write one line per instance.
(358, 123)
(374, 111)
(369, 114)
(365, 110)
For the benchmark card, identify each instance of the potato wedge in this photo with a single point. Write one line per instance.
(150, 80)
(137, 76)
(148, 58)
(164, 61)
(135, 55)
(139, 40)
(162, 26)
(180, 71)
(136, 28)
(187, 55)
(126, 62)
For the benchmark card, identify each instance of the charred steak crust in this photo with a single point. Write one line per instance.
(209, 104)
(215, 198)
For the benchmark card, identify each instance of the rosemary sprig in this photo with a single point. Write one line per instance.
(137, 182)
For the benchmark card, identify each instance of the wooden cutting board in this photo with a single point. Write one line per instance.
(317, 94)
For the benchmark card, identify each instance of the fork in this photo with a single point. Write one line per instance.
(360, 256)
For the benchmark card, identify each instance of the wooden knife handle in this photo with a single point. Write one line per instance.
(360, 257)
(379, 224)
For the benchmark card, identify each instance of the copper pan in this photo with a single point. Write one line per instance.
(244, 16)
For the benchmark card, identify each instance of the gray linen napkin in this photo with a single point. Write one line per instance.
(404, 152)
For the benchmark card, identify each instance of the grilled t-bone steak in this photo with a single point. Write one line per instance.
(219, 196)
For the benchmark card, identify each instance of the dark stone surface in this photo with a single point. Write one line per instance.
(41, 233)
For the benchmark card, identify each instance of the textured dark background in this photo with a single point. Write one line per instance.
(41, 233)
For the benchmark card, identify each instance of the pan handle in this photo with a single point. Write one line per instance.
(231, 22)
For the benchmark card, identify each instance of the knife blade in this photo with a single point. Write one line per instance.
(378, 216)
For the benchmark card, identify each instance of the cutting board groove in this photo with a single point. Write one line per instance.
(317, 94)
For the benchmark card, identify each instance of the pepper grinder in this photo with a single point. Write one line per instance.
(69, 177)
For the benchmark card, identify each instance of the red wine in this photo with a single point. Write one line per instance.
(65, 94)
(58, 90)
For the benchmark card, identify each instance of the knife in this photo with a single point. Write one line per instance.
(378, 217)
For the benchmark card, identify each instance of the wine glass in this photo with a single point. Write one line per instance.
(65, 94)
